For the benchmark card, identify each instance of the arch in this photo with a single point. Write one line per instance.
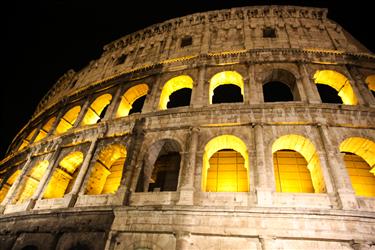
(107, 171)
(360, 165)
(161, 167)
(172, 85)
(27, 140)
(223, 78)
(43, 132)
(30, 182)
(303, 146)
(370, 80)
(64, 176)
(8, 184)
(339, 82)
(97, 109)
(67, 121)
(280, 85)
(220, 143)
(130, 96)
(30, 247)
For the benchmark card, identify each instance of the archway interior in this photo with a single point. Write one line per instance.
(67, 121)
(291, 172)
(370, 80)
(107, 171)
(8, 184)
(43, 132)
(129, 97)
(328, 94)
(64, 175)
(276, 91)
(27, 140)
(225, 165)
(179, 98)
(339, 82)
(225, 78)
(173, 85)
(30, 182)
(227, 93)
(161, 167)
(305, 148)
(97, 109)
(137, 105)
(359, 158)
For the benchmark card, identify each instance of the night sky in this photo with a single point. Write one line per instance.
(45, 39)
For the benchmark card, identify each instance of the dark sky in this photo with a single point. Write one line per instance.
(45, 39)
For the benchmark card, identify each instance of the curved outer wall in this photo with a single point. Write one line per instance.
(227, 40)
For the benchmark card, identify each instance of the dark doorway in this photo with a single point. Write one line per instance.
(276, 91)
(179, 98)
(227, 93)
(328, 94)
(137, 105)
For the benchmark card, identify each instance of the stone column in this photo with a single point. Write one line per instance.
(263, 189)
(82, 113)
(198, 89)
(308, 84)
(57, 121)
(182, 240)
(205, 44)
(247, 34)
(359, 81)
(13, 189)
(186, 183)
(151, 103)
(254, 93)
(336, 166)
(111, 111)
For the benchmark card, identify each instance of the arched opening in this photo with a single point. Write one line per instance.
(277, 92)
(137, 105)
(359, 157)
(227, 93)
(280, 86)
(64, 176)
(80, 246)
(43, 132)
(7, 184)
(27, 140)
(30, 247)
(225, 165)
(172, 86)
(328, 94)
(107, 171)
(370, 80)
(30, 182)
(67, 121)
(97, 109)
(161, 167)
(337, 81)
(128, 99)
(297, 166)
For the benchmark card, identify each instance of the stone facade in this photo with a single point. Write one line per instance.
(234, 40)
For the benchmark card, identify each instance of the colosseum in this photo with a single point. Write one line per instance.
(242, 128)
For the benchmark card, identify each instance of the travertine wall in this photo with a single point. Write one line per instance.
(227, 40)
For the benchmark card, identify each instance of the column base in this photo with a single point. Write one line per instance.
(264, 197)
(186, 197)
(347, 199)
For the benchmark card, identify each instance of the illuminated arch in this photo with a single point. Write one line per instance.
(304, 147)
(43, 132)
(361, 165)
(370, 80)
(94, 112)
(172, 85)
(8, 183)
(339, 82)
(27, 140)
(67, 121)
(130, 96)
(30, 182)
(220, 143)
(107, 171)
(225, 77)
(64, 176)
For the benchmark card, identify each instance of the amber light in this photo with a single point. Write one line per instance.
(225, 77)
(130, 96)
(173, 85)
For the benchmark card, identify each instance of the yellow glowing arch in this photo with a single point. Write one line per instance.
(370, 80)
(43, 132)
(67, 121)
(303, 146)
(7, 185)
(94, 111)
(130, 96)
(64, 176)
(361, 173)
(339, 82)
(172, 85)
(225, 77)
(219, 143)
(107, 171)
(27, 140)
(31, 181)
